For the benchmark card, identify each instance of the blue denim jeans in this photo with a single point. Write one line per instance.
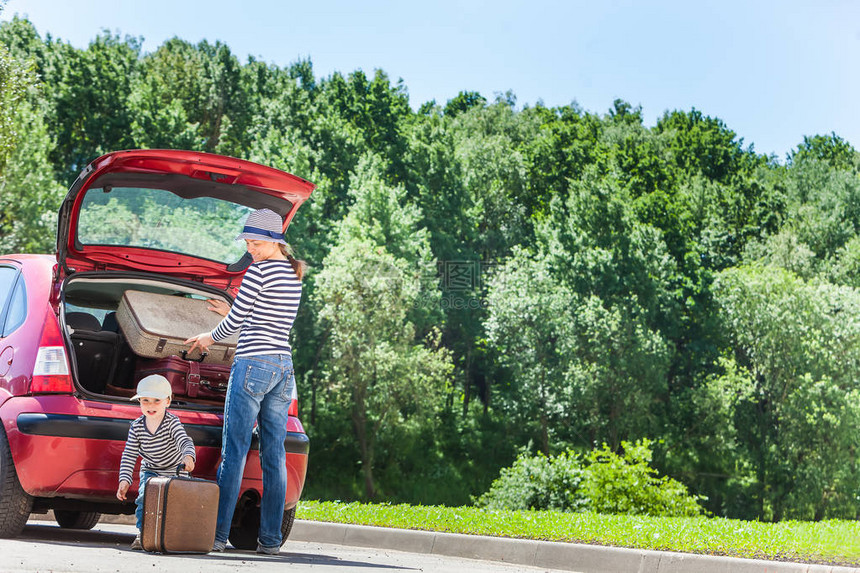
(138, 512)
(260, 390)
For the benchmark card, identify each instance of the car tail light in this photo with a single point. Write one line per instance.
(294, 403)
(51, 372)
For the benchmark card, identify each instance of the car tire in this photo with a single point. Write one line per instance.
(244, 534)
(15, 504)
(76, 519)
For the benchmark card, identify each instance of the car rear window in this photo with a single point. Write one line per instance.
(203, 227)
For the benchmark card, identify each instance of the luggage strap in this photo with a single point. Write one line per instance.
(160, 507)
(192, 380)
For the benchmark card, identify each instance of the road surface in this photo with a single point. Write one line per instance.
(45, 547)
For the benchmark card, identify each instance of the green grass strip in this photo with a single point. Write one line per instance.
(832, 542)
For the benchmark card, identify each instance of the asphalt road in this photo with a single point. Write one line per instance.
(323, 547)
(45, 547)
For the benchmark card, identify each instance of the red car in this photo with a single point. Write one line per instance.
(162, 221)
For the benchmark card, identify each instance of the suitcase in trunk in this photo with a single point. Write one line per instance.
(179, 515)
(188, 378)
(157, 325)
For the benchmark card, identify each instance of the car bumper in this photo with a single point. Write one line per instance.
(63, 446)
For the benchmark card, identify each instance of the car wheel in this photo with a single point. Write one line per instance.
(244, 534)
(15, 504)
(76, 519)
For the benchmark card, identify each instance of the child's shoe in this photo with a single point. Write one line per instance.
(136, 544)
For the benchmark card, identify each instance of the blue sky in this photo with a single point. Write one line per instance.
(772, 70)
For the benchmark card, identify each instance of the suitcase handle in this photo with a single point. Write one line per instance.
(203, 356)
(180, 467)
(208, 384)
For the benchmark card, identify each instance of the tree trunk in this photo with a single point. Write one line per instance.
(467, 375)
(544, 422)
(544, 434)
(359, 424)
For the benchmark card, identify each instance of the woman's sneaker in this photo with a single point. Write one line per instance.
(219, 545)
(136, 545)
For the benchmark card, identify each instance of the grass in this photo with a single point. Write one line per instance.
(833, 542)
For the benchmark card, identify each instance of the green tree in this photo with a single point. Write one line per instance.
(88, 92)
(702, 144)
(487, 142)
(436, 184)
(463, 102)
(616, 376)
(22, 40)
(831, 149)
(163, 95)
(566, 141)
(596, 246)
(378, 111)
(823, 206)
(529, 313)
(380, 369)
(29, 196)
(15, 79)
(796, 418)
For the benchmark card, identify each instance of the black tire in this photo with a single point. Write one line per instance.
(287, 524)
(15, 504)
(76, 519)
(244, 534)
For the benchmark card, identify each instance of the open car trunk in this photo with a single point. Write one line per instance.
(159, 222)
(107, 363)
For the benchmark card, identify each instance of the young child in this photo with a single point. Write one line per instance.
(158, 437)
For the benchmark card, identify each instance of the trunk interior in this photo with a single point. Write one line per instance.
(104, 363)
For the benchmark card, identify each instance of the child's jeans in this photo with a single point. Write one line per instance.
(138, 513)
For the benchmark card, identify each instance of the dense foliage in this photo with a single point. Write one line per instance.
(605, 483)
(485, 277)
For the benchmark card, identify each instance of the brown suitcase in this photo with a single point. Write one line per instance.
(157, 325)
(187, 377)
(179, 515)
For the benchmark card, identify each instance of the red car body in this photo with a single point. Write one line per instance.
(63, 429)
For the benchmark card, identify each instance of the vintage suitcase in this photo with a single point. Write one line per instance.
(188, 378)
(157, 325)
(179, 515)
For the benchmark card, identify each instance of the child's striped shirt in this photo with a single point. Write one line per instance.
(161, 451)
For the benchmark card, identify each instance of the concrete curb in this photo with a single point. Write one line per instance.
(546, 554)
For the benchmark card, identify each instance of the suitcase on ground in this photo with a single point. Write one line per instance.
(179, 515)
(157, 325)
(188, 378)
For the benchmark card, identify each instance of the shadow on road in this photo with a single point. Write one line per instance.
(56, 535)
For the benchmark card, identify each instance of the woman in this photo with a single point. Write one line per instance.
(261, 378)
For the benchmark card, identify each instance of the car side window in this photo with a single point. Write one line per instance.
(17, 310)
(8, 276)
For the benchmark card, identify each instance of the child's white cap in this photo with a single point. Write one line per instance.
(153, 386)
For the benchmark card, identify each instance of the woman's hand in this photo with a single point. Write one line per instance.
(202, 341)
(189, 463)
(219, 306)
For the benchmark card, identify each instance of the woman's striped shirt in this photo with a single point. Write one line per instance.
(264, 309)
(161, 451)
